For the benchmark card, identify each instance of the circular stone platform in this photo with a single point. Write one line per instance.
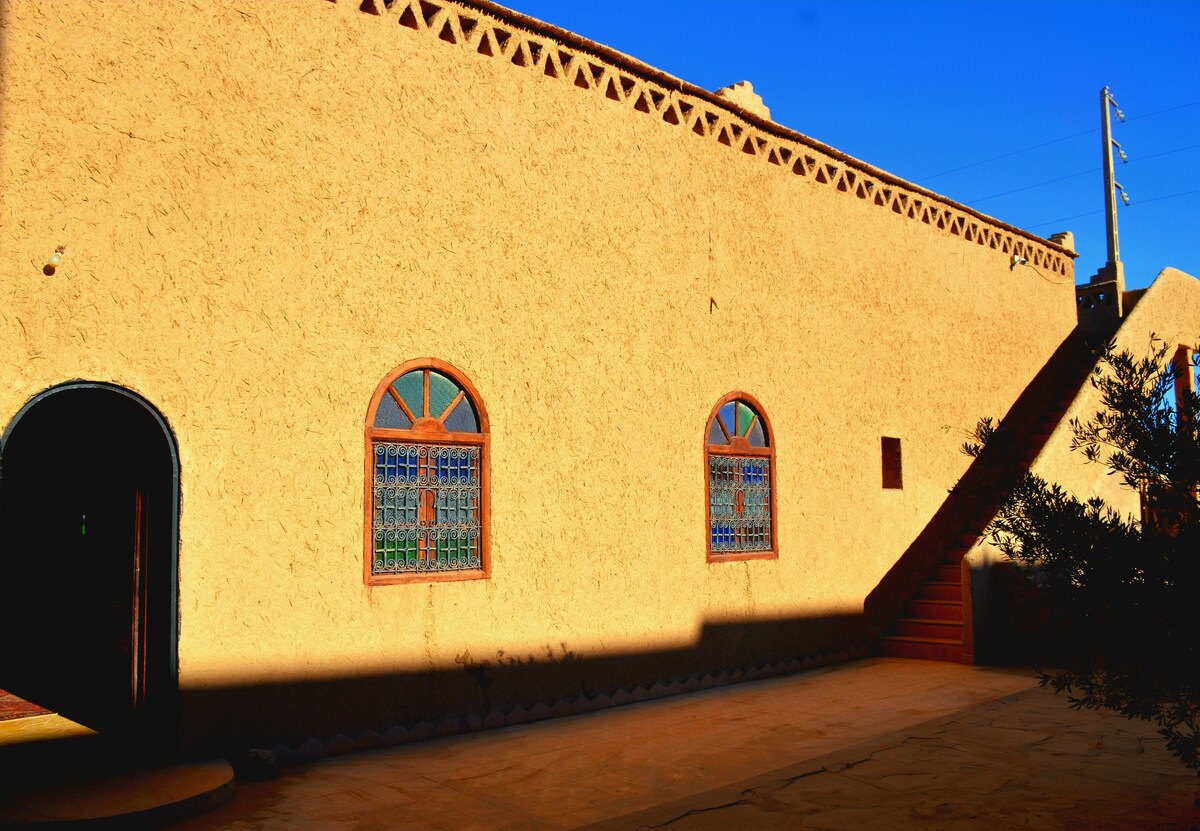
(143, 799)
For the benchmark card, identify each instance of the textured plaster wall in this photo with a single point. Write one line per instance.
(1168, 311)
(266, 207)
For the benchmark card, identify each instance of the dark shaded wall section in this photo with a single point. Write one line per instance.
(515, 689)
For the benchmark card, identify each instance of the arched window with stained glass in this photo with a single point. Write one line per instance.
(426, 477)
(740, 492)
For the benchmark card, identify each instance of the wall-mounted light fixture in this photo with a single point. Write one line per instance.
(55, 260)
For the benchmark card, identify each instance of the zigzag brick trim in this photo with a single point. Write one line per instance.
(498, 33)
(314, 748)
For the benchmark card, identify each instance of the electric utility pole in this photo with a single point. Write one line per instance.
(1114, 269)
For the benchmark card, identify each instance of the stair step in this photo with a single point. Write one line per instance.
(922, 627)
(937, 609)
(938, 590)
(953, 558)
(922, 639)
(946, 573)
(928, 649)
(933, 625)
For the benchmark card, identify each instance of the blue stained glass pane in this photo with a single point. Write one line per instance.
(447, 466)
(462, 418)
(756, 436)
(752, 472)
(715, 436)
(389, 414)
(728, 415)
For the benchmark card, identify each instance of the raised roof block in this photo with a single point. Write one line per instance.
(742, 94)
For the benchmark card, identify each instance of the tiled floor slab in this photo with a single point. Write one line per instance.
(566, 773)
(884, 742)
(972, 770)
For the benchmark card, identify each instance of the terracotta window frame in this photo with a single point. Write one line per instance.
(737, 445)
(427, 430)
(1182, 362)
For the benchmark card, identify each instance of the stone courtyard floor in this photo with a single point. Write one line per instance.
(883, 743)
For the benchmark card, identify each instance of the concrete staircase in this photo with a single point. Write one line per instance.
(929, 588)
(933, 621)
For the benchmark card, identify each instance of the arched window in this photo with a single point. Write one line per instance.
(427, 477)
(740, 458)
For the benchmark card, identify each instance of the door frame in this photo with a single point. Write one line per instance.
(162, 707)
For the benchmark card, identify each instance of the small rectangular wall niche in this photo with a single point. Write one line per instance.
(893, 473)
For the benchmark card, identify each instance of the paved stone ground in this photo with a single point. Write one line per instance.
(883, 743)
(1024, 761)
(568, 772)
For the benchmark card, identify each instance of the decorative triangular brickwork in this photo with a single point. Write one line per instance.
(549, 53)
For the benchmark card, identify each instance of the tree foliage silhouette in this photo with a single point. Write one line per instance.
(1118, 594)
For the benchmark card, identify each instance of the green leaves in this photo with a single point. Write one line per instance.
(1116, 594)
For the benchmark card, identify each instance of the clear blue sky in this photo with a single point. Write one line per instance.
(923, 87)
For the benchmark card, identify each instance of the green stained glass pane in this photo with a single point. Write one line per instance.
(744, 416)
(411, 388)
(441, 392)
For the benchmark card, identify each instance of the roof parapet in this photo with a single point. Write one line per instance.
(492, 30)
(743, 95)
(1064, 239)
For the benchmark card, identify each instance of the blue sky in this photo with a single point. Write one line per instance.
(927, 89)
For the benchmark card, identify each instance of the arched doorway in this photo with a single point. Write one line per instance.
(89, 498)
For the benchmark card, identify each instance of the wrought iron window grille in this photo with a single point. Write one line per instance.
(740, 459)
(427, 477)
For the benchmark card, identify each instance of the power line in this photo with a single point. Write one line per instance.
(1160, 112)
(1005, 155)
(1031, 187)
(1131, 205)
(1160, 198)
(1062, 219)
(1076, 175)
(1163, 153)
(1048, 143)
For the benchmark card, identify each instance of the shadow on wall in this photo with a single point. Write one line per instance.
(973, 501)
(355, 712)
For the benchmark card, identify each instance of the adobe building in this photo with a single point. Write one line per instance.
(375, 371)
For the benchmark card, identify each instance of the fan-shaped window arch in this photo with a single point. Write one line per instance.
(426, 477)
(739, 456)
